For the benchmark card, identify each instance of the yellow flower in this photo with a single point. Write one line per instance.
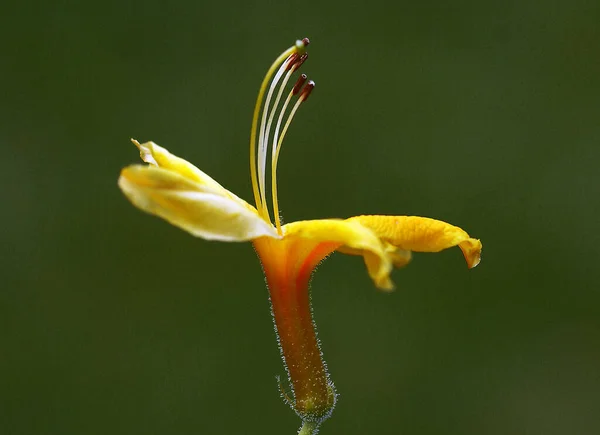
(179, 192)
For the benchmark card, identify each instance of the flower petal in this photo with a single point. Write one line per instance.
(398, 257)
(413, 233)
(158, 156)
(199, 208)
(352, 235)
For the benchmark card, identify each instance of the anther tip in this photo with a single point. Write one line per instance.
(299, 84)
(300, 60)
(307, 90)
(301, 45)
(291, 61)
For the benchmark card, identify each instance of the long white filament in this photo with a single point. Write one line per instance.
(272, 115)
(276, 135)
(270, 122)
(262, 140)
(300, 45)
(275, 156)
(283, 67)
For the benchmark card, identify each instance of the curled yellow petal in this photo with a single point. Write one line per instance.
(160, 157)
(351, 235)
(398, 257)
(200, 209)
(413, 233)
(471, 249)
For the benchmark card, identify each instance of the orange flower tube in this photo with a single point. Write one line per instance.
(288, 265)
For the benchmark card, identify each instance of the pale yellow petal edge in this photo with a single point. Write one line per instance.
(196, 208)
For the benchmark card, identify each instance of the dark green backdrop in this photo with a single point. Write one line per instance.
(483, 114)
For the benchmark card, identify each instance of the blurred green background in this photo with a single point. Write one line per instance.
(483, 114)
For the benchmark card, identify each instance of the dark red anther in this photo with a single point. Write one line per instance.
(306, 41)
(291, 61)
(307, 90)
(299, 84)
(300, 60)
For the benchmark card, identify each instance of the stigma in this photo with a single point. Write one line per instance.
(267, 137)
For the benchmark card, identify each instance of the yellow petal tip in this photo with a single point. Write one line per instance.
(146, 152)
(471, 249)
(385, 284)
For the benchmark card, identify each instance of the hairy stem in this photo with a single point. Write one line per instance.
(308, 428)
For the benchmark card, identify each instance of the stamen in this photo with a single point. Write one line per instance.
(271, 116)
(299, 84)
(288, 62)
(307, 90)
(277, 141)
(305, 42)
(291, 65)
(261, 93)
(263, 137)
(291, 61)
(301, 45)
(301, 60)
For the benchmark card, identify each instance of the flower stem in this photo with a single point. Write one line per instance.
(308, 428)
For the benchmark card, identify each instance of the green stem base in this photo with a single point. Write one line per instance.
(308, 428)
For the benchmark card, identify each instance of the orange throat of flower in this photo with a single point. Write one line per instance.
(288, 265)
